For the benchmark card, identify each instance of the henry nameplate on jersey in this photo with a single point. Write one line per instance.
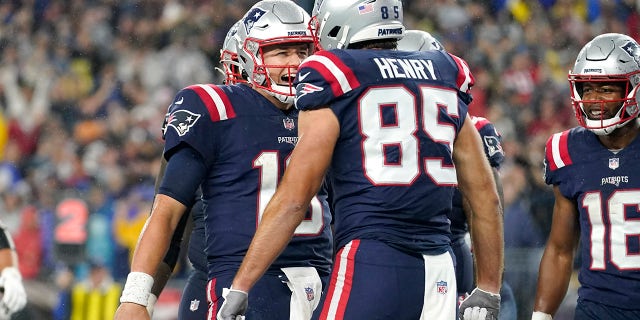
(405, 68)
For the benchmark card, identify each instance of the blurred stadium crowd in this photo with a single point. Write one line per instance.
(84, 86)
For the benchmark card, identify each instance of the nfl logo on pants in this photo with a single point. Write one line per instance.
(441, 287)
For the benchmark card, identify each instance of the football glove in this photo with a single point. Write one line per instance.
(14, 298)
(234, 305)
(480, 305)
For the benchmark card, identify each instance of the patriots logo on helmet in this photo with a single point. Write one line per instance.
(633, 50)
(252, 17)
(182, 121)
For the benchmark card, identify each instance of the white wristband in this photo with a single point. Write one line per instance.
(151, 303)
(137, 288)
(538, 315)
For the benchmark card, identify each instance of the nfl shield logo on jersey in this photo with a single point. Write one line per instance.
(288, 123)
(614, 163)
(441, 287)
(310, 293)
(194, 305)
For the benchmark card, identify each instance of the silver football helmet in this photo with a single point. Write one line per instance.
(610, 57)
(338, 23)
(267, 23)
(418, 40)
(231, 69)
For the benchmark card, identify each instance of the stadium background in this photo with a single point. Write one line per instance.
(84, 86)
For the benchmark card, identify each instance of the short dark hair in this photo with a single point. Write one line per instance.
(385, 44)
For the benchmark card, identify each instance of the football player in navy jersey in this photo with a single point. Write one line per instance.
(595, 172)
(193, 302)
(387, 128)
(233, 142)
(419, 40)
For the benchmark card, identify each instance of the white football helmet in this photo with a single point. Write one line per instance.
(267, 23)
(338, 23)
(229, 56)
(418, 40)
(610, 57)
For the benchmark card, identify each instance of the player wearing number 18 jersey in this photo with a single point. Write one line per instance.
(595, 173)
(387, 128)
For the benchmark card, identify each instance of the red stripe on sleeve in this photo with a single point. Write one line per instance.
(549, 154)
(480, 122)
(210, 103)
(348, 72)
(564, 148)
(333, 77)
(464, 74)
(328, 76)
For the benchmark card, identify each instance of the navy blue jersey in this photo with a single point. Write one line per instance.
(245, 142)
(605, 187)
(392, 172)
(491, 141)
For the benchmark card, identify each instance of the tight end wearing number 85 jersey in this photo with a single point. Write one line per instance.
(606, 188)
(405, 110)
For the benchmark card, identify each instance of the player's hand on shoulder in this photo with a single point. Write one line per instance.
(14, 297)
(480, 305)
(131, 311)
(234, 306)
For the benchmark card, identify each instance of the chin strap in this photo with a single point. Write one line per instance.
(276, 92)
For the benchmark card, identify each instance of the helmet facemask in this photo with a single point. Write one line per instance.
(608, 59)
(231, 68)
(281, 88)
(628, 105)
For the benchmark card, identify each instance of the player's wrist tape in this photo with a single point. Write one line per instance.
(537, 315)
(487, 292)
(137, 288)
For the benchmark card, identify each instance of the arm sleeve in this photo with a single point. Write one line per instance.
(185, 171)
